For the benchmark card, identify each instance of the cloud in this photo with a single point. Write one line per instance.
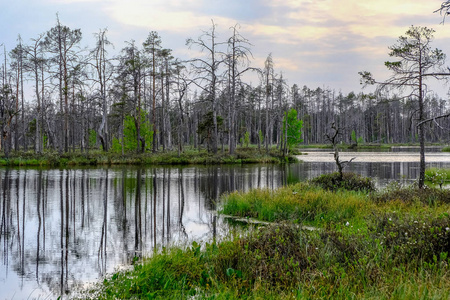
(174, 16)
(305, 36)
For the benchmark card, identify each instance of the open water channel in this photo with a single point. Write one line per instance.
(62, 228)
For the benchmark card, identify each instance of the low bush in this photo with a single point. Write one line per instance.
(283, 262)
(412, 238)
(437, 176)
(412, 194)
(349, 181)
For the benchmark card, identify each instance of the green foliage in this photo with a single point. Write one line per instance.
(116, 146)
(45, 141)
(92, 139)
(283, 262)
(130, 135)
(437, 176)
(294, 129)
(356, 140)
(350, 181)
(31, 128)
(246, 139)
(206, 127)
(261, 137)
(446, 149)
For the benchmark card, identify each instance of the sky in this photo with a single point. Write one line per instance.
(317, 43)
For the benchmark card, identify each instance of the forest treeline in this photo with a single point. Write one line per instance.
(57, 95)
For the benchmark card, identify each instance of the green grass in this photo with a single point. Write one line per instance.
(301, 202)
(392, 244)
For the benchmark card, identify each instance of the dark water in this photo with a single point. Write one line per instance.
(61, 228)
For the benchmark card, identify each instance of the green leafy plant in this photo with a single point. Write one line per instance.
(437, 176)
(292, 129)
(246, 139)
(92, 138)
(130, 135)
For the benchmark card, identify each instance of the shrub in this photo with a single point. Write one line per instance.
(350, 181)
(411, 194)
(437, 176)
(411, 238)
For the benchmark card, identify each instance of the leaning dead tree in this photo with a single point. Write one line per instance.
(333, 138)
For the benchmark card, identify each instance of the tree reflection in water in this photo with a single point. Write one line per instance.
(62, 228)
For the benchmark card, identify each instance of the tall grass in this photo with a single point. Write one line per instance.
(301, 202)
(393, 244)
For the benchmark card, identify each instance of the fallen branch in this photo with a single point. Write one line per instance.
(258, 222)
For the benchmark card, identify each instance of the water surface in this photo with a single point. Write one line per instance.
(61, 228)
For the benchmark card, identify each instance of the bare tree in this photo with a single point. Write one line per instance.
(268, 82)
(61, 41)
(103, 74)
(334, 139)
(7, 107)
(131, 75)
(35, 65)
(153, 46)
(207, 70)
(238, 55)
(18, 56)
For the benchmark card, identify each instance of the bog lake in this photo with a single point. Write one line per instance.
(63, 228)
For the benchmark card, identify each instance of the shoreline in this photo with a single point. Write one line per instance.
(374, 157)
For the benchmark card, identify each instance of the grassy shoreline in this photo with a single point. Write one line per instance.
(242, 155)
(379, 245)
(98, 158)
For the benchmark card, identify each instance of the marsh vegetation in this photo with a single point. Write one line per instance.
(388, 244)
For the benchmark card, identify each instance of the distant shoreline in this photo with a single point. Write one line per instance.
(374, 156)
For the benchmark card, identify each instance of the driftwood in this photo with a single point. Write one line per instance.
(258, 222)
